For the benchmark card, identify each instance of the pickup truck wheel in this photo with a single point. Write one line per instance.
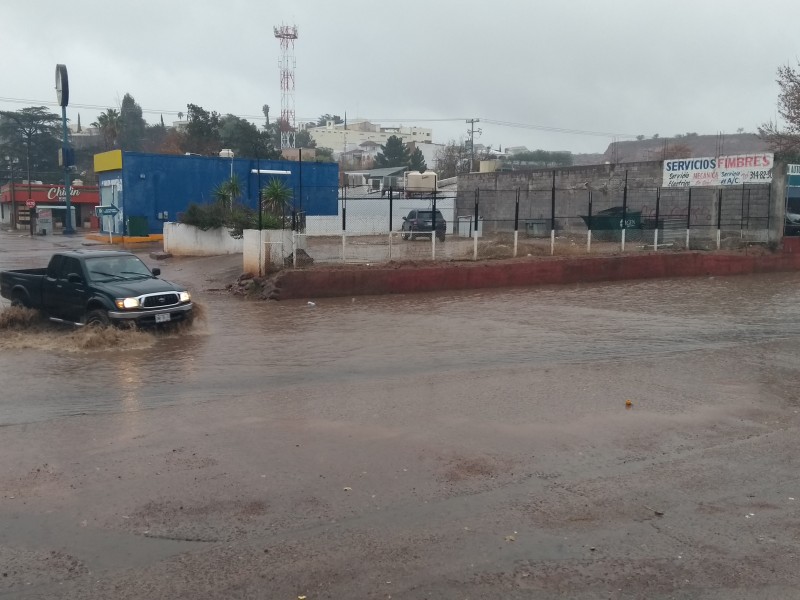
(19, 299)
(404, 235)
(97, 318)
(440, 237)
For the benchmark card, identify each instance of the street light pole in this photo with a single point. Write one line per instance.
(11, 162)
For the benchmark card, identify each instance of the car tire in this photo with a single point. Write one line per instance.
(19, 299)
(440, 237)
(404, 235)
(97, 318)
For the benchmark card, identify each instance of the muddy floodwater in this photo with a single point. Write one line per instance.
(626, 440)
(246, 348)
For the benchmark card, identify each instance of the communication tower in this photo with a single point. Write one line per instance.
(287, 34)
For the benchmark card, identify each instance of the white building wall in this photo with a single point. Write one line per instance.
(341, 140)
(187, 240)
(370, 216)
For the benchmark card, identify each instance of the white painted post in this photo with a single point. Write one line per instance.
(516, 238)
(260, 252)
(655, 239)
(294, 249)
(552, 242)
(588, 241)
(433, 245)
(687, 238)
(344, 244)
(719, 239)
(623, 239)
(110, 227)
(475, 245)
(390, 245)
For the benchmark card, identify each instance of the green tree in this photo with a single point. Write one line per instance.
(202, 131)
(323, 119)
(785, 141)
(417, 161)
(227, 192)
(276, 206)
(324, 155)
(303, 139)
(245, 139)
(108, 123)
(132, 125)
(393, 154)
(32, 135)
(154, 137)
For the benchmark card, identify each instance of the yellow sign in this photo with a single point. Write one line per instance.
(108, 161)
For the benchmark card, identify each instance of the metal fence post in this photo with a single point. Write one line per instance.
(688, 218)
(553, 216)
(658, 203)
(589, 225)
(391, 201)
(516, 223)
(433, 228)
(624, 210)
(344, 224)
(475, 226)
(719, 217)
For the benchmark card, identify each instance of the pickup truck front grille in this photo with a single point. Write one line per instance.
(159, 300)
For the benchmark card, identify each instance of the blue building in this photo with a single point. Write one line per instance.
(149, 189)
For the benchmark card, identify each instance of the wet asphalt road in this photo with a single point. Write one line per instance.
(469, 445)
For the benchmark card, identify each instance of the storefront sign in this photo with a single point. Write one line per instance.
(58, 192)
(719, 170)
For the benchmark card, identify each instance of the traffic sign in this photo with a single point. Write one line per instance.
(106, 211)
(30, 203)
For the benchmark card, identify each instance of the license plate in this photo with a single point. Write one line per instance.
(163, 318)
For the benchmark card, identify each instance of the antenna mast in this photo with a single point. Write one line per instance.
(287, 34)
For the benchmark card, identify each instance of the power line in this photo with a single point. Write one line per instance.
(154, 111)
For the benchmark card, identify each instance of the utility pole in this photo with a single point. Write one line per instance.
(471, 133)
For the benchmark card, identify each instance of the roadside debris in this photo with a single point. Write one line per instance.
(658, 513)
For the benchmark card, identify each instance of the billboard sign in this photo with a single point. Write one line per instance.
(718, 170)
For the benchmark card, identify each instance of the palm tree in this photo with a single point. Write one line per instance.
(108, 123)
(275, 202)
(228, 191)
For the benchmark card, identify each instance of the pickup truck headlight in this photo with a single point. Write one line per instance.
(127, 303)
(185, 296)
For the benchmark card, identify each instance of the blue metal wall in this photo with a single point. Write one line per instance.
(156, 184)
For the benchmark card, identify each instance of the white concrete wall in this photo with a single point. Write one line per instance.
(276, 246)
(187, 240)
(370, 216)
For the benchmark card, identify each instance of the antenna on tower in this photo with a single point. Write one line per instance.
(287, 34)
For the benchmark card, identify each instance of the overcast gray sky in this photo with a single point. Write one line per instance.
(614, 67)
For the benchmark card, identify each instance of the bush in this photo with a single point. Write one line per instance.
(204, 216)
(217, 215)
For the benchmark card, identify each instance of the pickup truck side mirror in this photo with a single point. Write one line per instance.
(405, 218)
(74, 278)
(156, 271)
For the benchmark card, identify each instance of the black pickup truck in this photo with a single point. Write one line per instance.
(98, 288)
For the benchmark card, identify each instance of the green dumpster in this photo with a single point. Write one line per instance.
(609, 223)
(138, 227)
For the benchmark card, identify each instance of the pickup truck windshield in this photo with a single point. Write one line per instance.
(116, 268)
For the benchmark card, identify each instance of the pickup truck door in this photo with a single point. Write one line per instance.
(63, 298)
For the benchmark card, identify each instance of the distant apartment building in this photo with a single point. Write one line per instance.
(335, 136)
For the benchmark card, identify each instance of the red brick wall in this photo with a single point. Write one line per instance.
(355, 281)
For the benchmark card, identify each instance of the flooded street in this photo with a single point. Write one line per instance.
(461, 445)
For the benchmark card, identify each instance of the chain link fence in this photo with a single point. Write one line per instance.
(378, 226)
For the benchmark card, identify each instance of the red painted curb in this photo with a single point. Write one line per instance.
(359, 281)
